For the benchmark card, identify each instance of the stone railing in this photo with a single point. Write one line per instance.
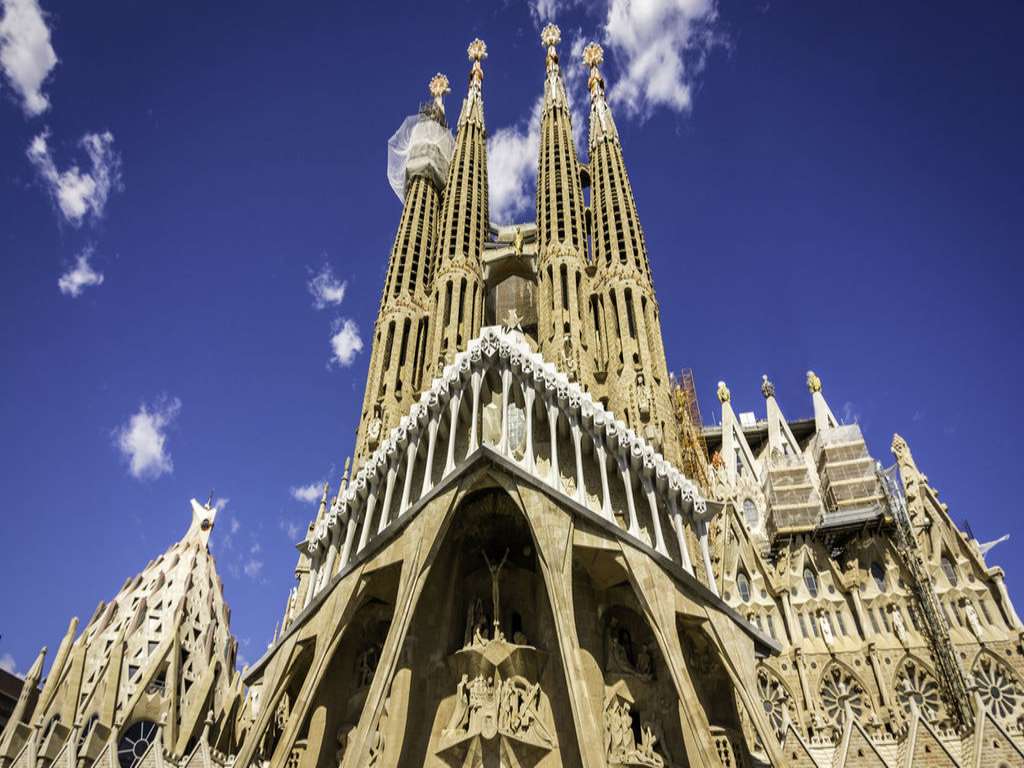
(500, 396)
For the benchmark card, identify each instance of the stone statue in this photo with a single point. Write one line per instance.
(618, 644)
(496, 593)
(899, 627)
(517, 242)
(972, 618)
(459, 721)
(366, 665)
(645, 662)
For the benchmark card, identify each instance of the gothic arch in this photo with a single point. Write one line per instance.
(914, 681)
(777, 699)
(839, 689)
(1000, 688)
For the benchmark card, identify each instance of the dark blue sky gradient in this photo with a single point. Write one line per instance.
(846, 195)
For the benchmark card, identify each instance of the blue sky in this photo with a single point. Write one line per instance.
(837, 188)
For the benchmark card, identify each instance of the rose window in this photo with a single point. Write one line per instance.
(914, 684)
(839, 691)
(135, 743)
(775, 701)
(1000, 692)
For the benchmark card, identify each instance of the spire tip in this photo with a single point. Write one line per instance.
(813, 382)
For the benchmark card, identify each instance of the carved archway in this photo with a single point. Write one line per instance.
(1000, 688)
(776, 699)
(840, 691)
(914, 685)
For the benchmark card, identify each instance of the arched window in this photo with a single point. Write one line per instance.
(135, 743)
(743, 586)
(878, 574)
(811, 582)
(750, 513)
(949, 569)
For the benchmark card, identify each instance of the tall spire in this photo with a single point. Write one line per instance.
(398, 358)
(457, 286)
(560, 228)
(625, 312)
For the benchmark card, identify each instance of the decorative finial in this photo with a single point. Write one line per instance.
(477, 52)
(327, 488)
(813, 382)
(723, 392)
(551, 36)
(767, 388)
(209, 501)
(438, 88)
(593, 57)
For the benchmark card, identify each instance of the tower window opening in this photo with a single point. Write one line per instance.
(565, 287)
(811, 582)
(388, 345)
(630, 318)
(447, 304)
(878, 574)
(406, 326)
(949, 570)
(743, 586)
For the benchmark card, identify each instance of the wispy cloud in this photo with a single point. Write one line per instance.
(291, 529)
(346, 342)
(143, 439)
(7, 663)
(253, 568)
(26, 54)
(850, 413)
(326, 289)
(80, 275)
(659, 47)
(79, 194)
(308, 493)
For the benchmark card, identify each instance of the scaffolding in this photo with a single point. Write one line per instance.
(691, 429)
(846, 472)
(793, 502)
(952, 680)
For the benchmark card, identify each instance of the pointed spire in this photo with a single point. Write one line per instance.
(823, 416)
(63, 651)
(767, 388)
(25, 706)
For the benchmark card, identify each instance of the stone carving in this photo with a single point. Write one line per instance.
(621, 657)
(377, 742)
(1001, 693)
(914, 684)
(972, 618)
(775, 700)
(486, 707)
(496, 595)
(643, 397)
(620, 742)
(898, 626)
(841, 691)
(366, 665)
(476, 625)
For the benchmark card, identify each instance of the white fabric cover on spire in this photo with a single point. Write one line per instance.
(420, 145)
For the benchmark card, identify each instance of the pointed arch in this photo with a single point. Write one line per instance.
(913, 684)
(780, 705)
(839, 688)
(999, 686)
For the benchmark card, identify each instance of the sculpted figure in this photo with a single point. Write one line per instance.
(618, 642)
(459, 720)
(899, 627)
(496, 593)
(972, 618)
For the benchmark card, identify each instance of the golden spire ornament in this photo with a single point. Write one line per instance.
(438, 88)
(813, 382)
(723, 392)
(477, 52)
(593, 57)
(551, 36)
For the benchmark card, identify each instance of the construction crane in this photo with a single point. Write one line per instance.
(952, 680)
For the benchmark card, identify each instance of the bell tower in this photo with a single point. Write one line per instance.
(398, 361)
(458, 287)
(561, 233)
(625, 312)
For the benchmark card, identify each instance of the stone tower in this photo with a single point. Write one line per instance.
(457, 286)
(626, 317)
(563, 334)
(150, 678)
(398, 360)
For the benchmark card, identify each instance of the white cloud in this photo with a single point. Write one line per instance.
(326, 289)
(220, 503)
(235, 525)
(290, 528)
(253, 568)
(308, 493)
(658, 47)
(26, 55)
(345, 343)
(80, 276)
(7, 663)
(143, 440)
(79, 194)
(512, 151)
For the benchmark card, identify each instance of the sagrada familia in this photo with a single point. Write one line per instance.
(542, 557)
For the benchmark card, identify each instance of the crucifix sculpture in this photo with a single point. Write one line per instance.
(495, 591)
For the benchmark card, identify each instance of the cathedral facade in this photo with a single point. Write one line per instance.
(542, 557)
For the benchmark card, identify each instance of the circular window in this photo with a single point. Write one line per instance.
(811, 582)
(135, 743)
(750, 513)
(743, 586)
(949, 570)
(878, 574)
